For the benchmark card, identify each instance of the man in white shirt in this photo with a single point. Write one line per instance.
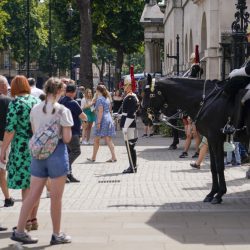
(33, 89)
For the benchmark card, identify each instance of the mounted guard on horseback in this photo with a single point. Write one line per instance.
(216, 109)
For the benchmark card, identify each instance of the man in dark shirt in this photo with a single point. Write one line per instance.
(77, 114)
(4, 103)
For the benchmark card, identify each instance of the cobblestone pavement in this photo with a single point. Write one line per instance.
(159, 207)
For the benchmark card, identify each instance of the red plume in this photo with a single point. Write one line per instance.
(132, 76)
(197, 57)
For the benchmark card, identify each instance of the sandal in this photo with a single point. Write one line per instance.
(194, 165)
(28, 225)
(110, 160)
(34, 224)
(89, 159)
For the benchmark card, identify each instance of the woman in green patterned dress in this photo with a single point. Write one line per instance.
(18, 132)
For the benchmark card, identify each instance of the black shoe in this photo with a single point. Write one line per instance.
(129, 171)
(144, 136)
(71, 178)
(194, 165)
(196, 155)
(172, 147)
(151, 135)
(3, 228)
(183, 155)
(9, 202)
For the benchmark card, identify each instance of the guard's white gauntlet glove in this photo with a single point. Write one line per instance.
(238, 72)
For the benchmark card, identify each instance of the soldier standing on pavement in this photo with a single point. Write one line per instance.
(128, 125)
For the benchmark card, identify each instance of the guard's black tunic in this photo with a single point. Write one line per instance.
(129, 108)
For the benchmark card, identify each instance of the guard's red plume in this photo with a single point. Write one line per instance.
(132, 76)
(197, 57)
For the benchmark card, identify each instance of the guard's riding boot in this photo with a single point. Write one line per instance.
(132, 157)
(130, 170)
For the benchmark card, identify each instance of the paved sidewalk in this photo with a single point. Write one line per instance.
(160, 207)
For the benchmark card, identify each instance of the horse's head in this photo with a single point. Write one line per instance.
(153, 98)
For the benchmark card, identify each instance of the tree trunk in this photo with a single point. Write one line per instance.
(118, 66)
(102, 70)
(86, 73)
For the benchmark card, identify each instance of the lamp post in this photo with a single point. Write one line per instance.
(28, 38)
(70, 12)
(50, 41)
(50, 38)
(239, 33)
(177, 57)
(9, 63)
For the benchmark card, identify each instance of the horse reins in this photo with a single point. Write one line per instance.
(204, 99)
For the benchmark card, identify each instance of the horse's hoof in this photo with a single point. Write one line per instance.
(208, 199)
(216, 201)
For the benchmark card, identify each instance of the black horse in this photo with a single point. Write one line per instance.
(187, 94)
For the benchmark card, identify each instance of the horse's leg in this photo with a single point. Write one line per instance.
(215, 183)
(219, 157)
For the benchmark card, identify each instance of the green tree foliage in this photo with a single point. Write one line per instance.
(4, 17)
(137, 59)
(102, 55)
(117, 24)
(17, 33)
(62, 38)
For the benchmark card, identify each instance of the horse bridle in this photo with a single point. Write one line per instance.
(166, 119)
(150, 111)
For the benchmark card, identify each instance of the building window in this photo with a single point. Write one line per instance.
(6, 61)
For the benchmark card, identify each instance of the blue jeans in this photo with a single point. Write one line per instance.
(236, 153)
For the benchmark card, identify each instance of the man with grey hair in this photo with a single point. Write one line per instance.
(33, 89)
(4, 103)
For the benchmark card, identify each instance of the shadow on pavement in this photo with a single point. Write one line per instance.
(232, 183)
(108, 175)
(4, 235)
(18, 246)
(191, 170)
(207, 228)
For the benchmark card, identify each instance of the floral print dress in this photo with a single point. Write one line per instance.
(107, 127)
(18, 121)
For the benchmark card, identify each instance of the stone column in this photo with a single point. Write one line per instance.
(212, 55)
(148, 56)
(158, 58)
(212, 63)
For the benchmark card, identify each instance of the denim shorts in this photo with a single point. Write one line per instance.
(56, 165)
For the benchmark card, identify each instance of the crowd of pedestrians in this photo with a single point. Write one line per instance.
(32, 119)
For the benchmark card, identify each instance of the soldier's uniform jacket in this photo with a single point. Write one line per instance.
(129, 108)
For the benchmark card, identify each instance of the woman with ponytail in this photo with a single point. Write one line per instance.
(54, 167)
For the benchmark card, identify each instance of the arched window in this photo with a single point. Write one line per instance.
(170, 53)
(191, 44)
(186, 49)
(203, 33)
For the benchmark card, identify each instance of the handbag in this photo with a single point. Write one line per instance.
(45, 140)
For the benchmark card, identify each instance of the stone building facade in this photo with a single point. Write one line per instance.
(197, 22)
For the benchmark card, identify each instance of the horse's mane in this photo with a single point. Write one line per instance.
(192, 82)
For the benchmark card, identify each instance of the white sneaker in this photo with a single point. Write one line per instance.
(85, 143)
(90, 142)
